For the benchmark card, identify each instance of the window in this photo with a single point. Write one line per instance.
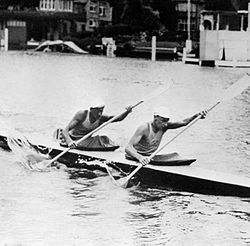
(207, 25)
(60, 5)
(91, 23)
(16, 23)
(193, 8)
(65, 5)
(183, 7)
(92, 9)
(183, 26)
(102, 11)
(47, 5)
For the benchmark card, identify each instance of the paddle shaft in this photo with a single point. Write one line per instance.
(154, 94)
(229, 93)
(171, 140)
(91, 133)
(177, 135)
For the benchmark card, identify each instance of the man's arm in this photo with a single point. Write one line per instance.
(78, 117)
(174, 125)
(105, 118)
(130, 150)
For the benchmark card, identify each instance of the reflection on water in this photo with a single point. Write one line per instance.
(41, 92)
(150, 216)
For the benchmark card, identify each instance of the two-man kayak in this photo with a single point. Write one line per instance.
(170, 171)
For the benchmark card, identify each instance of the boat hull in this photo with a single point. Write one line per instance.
(181, 178)
(188, 183)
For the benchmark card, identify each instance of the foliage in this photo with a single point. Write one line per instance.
(115, 30)
(137, 14)
(167, 13)
(83, 34)
(118, 6)
(225, 5)
(21, 3)
(85, 40)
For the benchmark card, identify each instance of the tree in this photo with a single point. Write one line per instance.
(21, 3)
(167, 13)
(224, 5)
(118, 6)
(136, 14)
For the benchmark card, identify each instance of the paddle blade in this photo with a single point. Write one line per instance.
(23, 150)
(123, 182)
(42, 165)
(237, 88)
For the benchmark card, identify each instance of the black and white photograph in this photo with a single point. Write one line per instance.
(124, 122)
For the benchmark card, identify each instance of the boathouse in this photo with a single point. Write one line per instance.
(41, 20)
(225, 38)
(23, 22)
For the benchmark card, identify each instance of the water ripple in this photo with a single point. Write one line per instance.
(82, 207)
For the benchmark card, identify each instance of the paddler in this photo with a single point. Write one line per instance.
(85, 121)
(148, 136)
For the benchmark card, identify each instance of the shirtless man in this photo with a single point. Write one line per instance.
(148, 136)
(86, 121)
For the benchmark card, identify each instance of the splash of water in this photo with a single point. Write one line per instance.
(25, 153)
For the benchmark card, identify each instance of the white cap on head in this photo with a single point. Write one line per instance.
(97, 103)
(163, 112)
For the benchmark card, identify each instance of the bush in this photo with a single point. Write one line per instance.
(82, 35)
(110, 31)
(87, 44)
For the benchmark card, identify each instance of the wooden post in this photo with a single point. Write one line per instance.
(188, 18)
(184, 55)
(153, 53)
(188, 41)
(248, 27)
(218, 22)
(6, 39)
(241, 22)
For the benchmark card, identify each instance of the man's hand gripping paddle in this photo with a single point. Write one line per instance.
(46, 163)
(234, 90)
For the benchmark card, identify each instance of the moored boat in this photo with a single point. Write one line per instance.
(60, 46)
(171, 171)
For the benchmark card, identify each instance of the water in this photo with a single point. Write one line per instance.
(40, 92)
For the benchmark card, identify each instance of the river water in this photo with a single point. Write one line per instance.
(40, 92)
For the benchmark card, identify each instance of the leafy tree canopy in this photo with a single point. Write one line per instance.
(137, 14)
(21, 3)
(226, 5)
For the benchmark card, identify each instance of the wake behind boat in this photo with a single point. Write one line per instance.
(171, 171)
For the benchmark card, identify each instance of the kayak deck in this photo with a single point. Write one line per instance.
(171, 159)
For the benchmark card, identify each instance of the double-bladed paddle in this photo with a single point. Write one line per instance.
(231, 92)
(46, 163)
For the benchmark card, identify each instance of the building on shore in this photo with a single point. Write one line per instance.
(225, 38)
(194, 7)
(98, 13)
(49, 20)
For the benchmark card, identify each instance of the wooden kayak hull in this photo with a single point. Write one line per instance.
(182, 178)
